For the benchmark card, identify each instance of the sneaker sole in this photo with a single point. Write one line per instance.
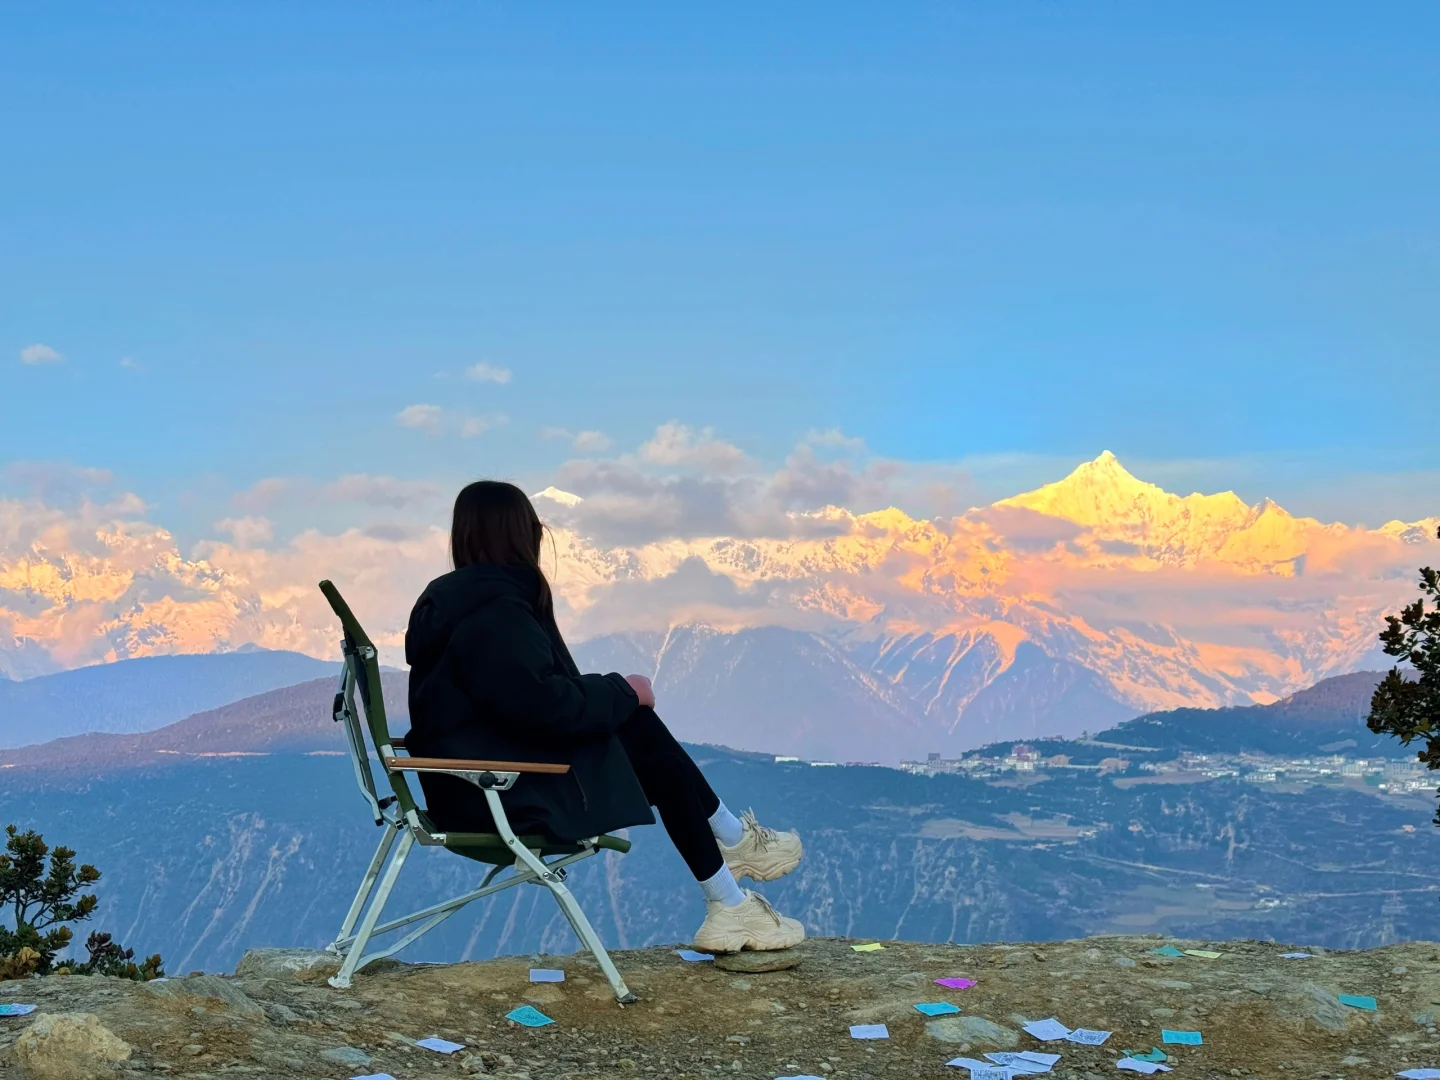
(738, 942)
(740, 868)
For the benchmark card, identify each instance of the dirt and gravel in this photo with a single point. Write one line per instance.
(1260, 1015)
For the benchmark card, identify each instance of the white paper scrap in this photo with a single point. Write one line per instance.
(1298, 955)
(803, 1076)
(869, 1031)
(373, 1076)
(983, 1070)
(1087, 1036)
(1047, 1030)
(546, 975)
(1146, 1067)
(1026, 1062)
(440, 1046)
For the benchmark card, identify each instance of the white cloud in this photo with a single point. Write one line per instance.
(247, 531)
(380, 490)
(129, 364)
(263, 494)
(40, 354)
(674, 444)
(582, 442)
(474, 426)
(427, 418)
(483, 372)
(591, 442)
(834, 437)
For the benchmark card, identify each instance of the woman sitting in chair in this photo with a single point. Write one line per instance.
(491, 678)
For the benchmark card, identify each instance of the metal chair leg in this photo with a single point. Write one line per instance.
(367, 886)
(356, 952)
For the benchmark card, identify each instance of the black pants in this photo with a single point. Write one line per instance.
(675, 787)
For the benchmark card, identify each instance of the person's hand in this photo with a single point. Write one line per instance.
(643, 690)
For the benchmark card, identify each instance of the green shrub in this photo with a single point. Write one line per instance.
(41, 891)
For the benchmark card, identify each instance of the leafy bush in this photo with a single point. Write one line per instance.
(1409, 707)
(40, 900)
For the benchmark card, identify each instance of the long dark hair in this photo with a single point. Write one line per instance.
(494, 522)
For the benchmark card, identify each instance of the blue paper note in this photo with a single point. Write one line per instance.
(1184, 1038)
(1358, 1001)
(528, 1016)
(1167, 950)
(16, 1010)
(546, 975)
(1298, 955)
(1155, 1054)
(869, 1031)
(693, 957)
(373, 1076)
(1420, 1074)
(937, 1008)
(440, 1046)
(803, 1076)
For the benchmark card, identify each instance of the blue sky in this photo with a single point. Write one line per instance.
(999, 235)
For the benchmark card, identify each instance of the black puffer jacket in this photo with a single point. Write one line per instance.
(491, 678)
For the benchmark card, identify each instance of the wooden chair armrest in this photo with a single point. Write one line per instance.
(398, 742)
(452, 765)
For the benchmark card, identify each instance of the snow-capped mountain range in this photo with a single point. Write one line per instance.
(866, 635)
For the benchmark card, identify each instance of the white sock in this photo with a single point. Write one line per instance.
(726, 827)
(721, 886)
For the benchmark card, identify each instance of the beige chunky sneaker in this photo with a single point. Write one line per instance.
(753, 924)
(762, 854)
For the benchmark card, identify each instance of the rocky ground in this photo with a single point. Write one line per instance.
(1261, 1016)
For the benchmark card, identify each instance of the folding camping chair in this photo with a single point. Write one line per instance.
(401, 817)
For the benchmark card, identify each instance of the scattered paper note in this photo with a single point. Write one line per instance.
(546, 975)
(1155, 1054)
(693, 957)
(1030, 1057)
(1298, 955)
(373, 1076)
(1140, 1065)
(869, 1031)
(1420, 1074)
(528, 1016)
(1204, 954)
(1184, 1038)
(1087, 1036)
(1358, 1001)
(1026, 1063)
(874, 946)
(1167, 950)
(1047, 1030)
(16, 1010)
(982, 1070)
(956, 984)
(440, 1046)
(937, 1008)
(802, 1076)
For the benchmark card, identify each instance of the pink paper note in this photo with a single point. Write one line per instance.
(956, 984)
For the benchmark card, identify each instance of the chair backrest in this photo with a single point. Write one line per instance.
(361, 676)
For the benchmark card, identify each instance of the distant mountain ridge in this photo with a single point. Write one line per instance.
(143, 694)
(1059, 608)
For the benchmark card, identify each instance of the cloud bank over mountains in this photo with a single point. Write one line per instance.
(1149, 599)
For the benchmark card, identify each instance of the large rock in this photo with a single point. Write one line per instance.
(755, 962)
(197, 989)
(973, 1031)
(287, 964)
(1319, 1005)
(69, 1046)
